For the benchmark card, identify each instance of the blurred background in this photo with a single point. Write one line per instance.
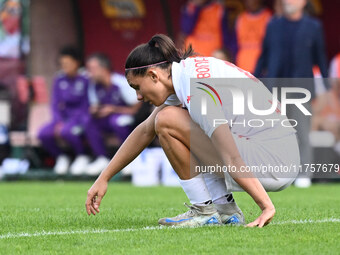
(65, 106)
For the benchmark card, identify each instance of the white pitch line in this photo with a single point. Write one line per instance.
(306, 221)
(89, 231)
(100, 231)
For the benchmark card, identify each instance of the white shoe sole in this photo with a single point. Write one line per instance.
(192, 222)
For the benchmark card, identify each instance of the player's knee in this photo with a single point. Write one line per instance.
(165, 120)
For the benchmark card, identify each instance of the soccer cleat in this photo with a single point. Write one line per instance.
(79, 165)
(97, 166)
(62, 164)
(196, 216)
(230, 214)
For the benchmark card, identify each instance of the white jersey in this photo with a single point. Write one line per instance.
(222, 93)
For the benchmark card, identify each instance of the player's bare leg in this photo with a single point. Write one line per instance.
(201, 212)
(179, 135)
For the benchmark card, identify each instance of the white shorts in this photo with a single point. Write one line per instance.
(274, 162)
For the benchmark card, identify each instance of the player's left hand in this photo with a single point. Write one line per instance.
(264, 219)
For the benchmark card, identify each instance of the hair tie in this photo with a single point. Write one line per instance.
(138, 67)
(152, 43)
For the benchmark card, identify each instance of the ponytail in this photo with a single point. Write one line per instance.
(160, 51)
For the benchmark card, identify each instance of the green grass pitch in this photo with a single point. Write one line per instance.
(50, 218)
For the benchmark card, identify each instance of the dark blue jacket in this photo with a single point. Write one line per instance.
(309, 50)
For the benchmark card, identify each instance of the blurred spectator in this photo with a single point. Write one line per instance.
(113, 104)
(10, 29)
(278, 8)
(293, 44)
(11, 65)
(250, 30)
(69, 105)
(204, 24)
(327, 114)
(223, 54)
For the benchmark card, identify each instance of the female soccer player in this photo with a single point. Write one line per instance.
(161, 75)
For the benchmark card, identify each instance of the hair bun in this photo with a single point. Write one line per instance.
(152, 43)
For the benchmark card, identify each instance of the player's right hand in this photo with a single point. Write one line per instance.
(264, 219)
(95, 196)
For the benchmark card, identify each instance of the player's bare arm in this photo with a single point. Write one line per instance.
(138, 140)
(225, 144)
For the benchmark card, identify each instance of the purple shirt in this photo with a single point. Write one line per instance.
(108, 95)
(69, 98)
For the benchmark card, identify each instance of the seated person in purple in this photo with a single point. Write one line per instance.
(113, 104)
(69, 103)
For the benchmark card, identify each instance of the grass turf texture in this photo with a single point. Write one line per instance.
(34, 207)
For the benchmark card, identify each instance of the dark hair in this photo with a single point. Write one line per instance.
(103, 59)
(72, 52)
(160, 48)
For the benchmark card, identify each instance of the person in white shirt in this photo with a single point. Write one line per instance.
(168, 79)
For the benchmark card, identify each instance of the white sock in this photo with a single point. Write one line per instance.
(227, 199)
(216, 185)
(217, 188)
(196, 190)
